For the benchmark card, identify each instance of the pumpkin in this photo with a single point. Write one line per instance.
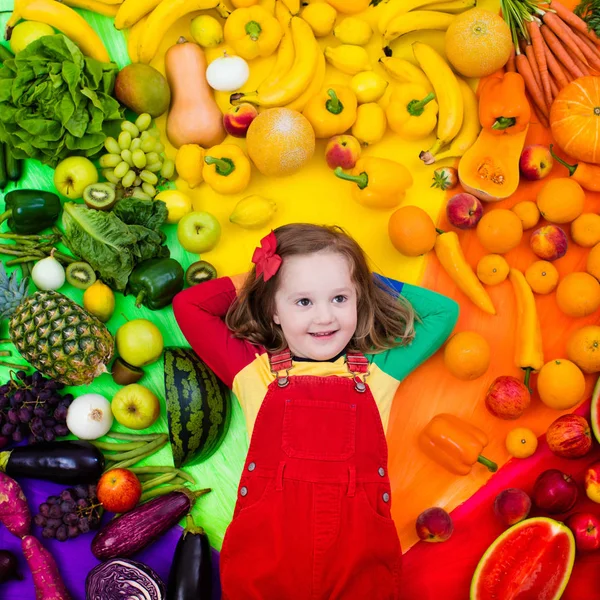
(489, 169)
(575, 119)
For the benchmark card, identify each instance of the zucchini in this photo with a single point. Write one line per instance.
(14, 166)
(198, 406)
(3, 175)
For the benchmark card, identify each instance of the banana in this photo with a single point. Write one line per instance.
(66, 20)
(283, 64)
(133, 39)
(292, 5)
(468, 133)
(315, 85)
(296, 80)
(131, 11)
(348, 59)
(419, 20)
(453, 7)
(447, 93)
(395, 8)
(282, 14)
(253, 212)
(404, 71)
(161, 19)
(100, 8)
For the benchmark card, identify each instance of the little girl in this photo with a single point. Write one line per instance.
(314, 347)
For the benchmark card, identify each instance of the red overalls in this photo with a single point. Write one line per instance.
(312, 519)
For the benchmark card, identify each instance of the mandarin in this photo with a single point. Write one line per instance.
(585, 230)
(592, 265)
(528, 212)
(521, 442)
(499, 230)
(578, 295)
(583, 348)
(492, 269)
(467, 355)
(560, 384)
(542, 276)
(411, 231)
(561, 200)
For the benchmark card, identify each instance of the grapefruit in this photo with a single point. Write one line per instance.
(532, 559)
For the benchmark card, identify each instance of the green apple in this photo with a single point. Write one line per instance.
(73, 175)
(198, 232)
(26, 32)
(139, 342)
(135, 406)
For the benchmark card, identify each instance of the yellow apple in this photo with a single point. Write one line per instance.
(135, 406)
(139, 342)
(592, 482)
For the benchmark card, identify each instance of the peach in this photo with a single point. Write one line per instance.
(464, 211)
(507, 397)
(434, 525)
(536, 162)
(549, 242)
(592, 482)
(569, 436)
(342, 151)
(237, 119)
(586, 530)
(512, 505)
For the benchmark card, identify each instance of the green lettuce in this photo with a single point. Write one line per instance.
(55, 102)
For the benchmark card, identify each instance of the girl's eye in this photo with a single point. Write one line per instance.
(303, 302)
(340, 299)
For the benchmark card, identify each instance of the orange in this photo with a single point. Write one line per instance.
(467, 355)
(499, 230)
(280, 141)
(578, 295)
(492, 269)
(561, 200)
(478, 43)
(585, 230)
(542, 277)
(528, 212)
(560, 384)
(583, 348)
(592, 265)
(411, 231)
(521, 442)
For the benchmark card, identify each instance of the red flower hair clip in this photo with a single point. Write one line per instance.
(265, 258)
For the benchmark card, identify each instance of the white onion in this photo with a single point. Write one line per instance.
(48, 273)
(227, 73)
(89, 417)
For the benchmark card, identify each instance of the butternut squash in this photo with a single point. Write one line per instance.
(490, 168)
(194, 117)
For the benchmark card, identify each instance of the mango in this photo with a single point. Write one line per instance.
(143, 89)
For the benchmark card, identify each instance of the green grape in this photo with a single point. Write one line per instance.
(135, 144)
(138, 181)
(127, 156)
(158, 147)
(144, 135)
(131, 128)
(109, 160)
(128, 180)
(112, 145)
(122, 169)
(154, 167)
(149, 189)
(154, 132)
(148, 144)
(168, 169)
(143, 121)
(124, 140)
(149, 177)
(153, 157)
(139, 159)
(139, 193)
(110, 176)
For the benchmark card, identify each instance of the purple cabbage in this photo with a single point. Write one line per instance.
(121, 578)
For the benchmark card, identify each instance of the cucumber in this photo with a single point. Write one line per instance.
(14, 166)
(3, 175)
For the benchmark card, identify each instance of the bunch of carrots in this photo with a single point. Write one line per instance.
(552, 47)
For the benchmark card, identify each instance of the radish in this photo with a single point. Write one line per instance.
(46, 578)
(14, 512)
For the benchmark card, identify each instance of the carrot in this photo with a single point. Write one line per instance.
(537, 42)
(529, 53)
(564, 33)
(559, 51)
(583, 67)
(14, 512)
(46, 578)
(592, 58)
(540, 117)
(553, 88)
(555, 68)
(582, 37)
(524, 69)
(510, 65)
(571, 19)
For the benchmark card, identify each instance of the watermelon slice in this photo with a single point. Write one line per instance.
(530, 561)
(595, 410)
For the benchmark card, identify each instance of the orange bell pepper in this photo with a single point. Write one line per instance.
(454, 444)
(586, 175)
(503, 105)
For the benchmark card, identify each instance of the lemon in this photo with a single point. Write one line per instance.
(189, 162)
(207, 31)
(354, 31)
(178, 204)
(253, 212)
(320, 17)
(26, 32)
(99, 300)
(368, 86)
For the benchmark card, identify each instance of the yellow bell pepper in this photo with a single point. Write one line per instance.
(412, 111)
(226, 169)
(332, 111)
(380, 183)
(370, 124)
(252, 32)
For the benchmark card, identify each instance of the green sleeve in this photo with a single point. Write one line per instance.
(437, 317)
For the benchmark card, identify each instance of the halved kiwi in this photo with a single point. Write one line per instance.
(199, 272)
(80, 275)
(124, 374)
(101, 196)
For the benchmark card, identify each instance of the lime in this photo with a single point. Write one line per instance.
(26, 32)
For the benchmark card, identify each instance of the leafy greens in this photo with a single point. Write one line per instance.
(589, 11)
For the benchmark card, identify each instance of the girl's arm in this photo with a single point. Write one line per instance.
(199, 312)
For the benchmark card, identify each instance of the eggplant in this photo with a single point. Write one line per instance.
(191, 571)
(136, 529)
(68, 461)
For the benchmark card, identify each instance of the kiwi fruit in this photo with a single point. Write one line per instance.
(125, 374)
(80, 275)
(199, 272)
(101, 196)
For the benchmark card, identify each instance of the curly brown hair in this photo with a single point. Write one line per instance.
(385, 319)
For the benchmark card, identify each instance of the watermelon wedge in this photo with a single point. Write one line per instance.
(530, 561)
(595, 410)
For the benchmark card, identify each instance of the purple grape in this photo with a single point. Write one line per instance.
(67, 398)
(40, 520)
(4, 389)
(49, 435)
(45, 395)
(21, 375)
(83, 525)
(67, 495)
(52, 500)
(55, 511)
(82, 503)
(48, 532)
(8, 428)
(92, 490)
(40, 411)
(70, 518)
(60, 412)
(18, 396)
(45, 509)
(67, 506)
(25, 414)
(73, 531)
(29, 397)
(4, 441)
(51, 385)
(4, 401)
(13, 416)
(81, 491)
(17, 436)
(50, 422)
(61, 430)
(37, 426)
(61, 533)
(54, 523)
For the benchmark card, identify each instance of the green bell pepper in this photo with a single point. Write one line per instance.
(30, 211)
(155, 282)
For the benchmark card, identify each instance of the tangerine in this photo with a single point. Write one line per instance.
(411, 231)
(467, 355)
(583, 348)
(500, 230)
(585, 230)
(521, 442)
(561, 384)
(542, 276)
(492, 269)
(561, 200)
(578, 295)
(592, 265)
(528, 212)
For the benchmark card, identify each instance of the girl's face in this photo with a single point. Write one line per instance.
(315, 304)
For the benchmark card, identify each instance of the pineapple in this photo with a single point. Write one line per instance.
(55, 335)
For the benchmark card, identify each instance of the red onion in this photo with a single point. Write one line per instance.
(554, 492)
(8, 566)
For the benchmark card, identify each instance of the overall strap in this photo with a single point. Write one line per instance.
(358, 365)
(281, 363)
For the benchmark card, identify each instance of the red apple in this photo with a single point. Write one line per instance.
(549, 242)
(237, 119)
(569, 436)
(592, 482)
(554, 492)
(119, 490)
(512, 505)
(342, 151)
(464, 211)
(586, 529)
(434, 525)
(507, 397)
(536, 162)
